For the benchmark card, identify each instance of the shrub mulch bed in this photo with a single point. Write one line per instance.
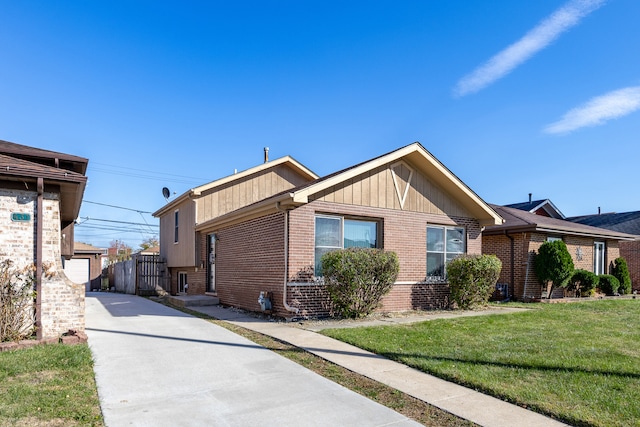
(69, 338)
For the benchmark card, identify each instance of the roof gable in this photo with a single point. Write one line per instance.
(405, 166)
(539, 207)
(199, 191)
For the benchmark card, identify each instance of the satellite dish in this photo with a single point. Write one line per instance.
(166, 193)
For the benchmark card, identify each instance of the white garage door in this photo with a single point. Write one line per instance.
(77, 270)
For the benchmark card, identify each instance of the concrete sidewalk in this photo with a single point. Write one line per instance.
(156, 366)
(466, 403)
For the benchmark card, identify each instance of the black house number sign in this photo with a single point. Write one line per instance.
(20, 217)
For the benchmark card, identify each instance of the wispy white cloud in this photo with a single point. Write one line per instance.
(535, 40)
(598, 110)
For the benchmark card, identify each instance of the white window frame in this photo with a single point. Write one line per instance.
(182, 283)
(599, 257)
(342, 220)
(444, 253)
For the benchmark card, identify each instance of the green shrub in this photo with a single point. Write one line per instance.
(609, 284)
(621, 272)
(358, 278)
(472, 279)
(553, 264)
(584, 282)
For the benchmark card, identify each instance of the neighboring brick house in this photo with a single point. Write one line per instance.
(40, 196)
(404, 201)
(517, 241)
(626, 222)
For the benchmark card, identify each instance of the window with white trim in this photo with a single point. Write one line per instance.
(443, 245)
(337, 232)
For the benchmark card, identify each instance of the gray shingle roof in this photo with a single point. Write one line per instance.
(517, 220)
(626, 222)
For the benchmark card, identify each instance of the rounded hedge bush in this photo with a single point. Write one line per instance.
(584, 282)
(472, 279)
(357, 279)
(608, 284)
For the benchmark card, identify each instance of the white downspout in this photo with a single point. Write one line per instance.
(286, 260)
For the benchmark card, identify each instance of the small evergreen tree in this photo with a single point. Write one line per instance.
(621, 272)
(553, 264)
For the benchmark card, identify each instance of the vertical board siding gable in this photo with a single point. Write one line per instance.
(376, 188)
(237, 194)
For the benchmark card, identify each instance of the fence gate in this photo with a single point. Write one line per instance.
(150, 278)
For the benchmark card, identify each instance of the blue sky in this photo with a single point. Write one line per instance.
(514, 97)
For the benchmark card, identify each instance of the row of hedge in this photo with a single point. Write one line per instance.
(358, 278)
(585, 283)
(553, 264)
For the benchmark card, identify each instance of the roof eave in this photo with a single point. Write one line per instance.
(264, 207)
(493, 231)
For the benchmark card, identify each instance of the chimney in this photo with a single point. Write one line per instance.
(266, 154)
(530, 197)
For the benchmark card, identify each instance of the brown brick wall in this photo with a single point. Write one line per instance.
(403, 232)
(630, 251)
(525, 284)
(250, 259)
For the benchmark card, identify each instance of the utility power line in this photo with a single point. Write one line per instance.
(117, 207)
(145, 174)
(86, 218)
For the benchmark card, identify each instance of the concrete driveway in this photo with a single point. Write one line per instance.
(156, 366)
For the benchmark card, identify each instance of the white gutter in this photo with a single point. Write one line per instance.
(286, 260)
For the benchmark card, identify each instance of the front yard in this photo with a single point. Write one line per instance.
(48, 385)
(577, 362)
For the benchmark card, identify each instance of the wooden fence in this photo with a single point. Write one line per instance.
(142, 275)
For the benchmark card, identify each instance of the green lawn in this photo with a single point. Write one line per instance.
(578, 362)
(48, 385)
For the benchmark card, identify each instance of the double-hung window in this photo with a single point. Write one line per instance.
(443, 245)
(336, 232)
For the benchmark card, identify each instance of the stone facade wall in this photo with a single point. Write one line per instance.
(62, 301)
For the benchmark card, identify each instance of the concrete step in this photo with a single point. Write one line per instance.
(186, 301)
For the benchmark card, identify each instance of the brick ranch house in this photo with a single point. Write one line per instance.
(527, 227)
(405, 201)
(626, 222)
(40, 196)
